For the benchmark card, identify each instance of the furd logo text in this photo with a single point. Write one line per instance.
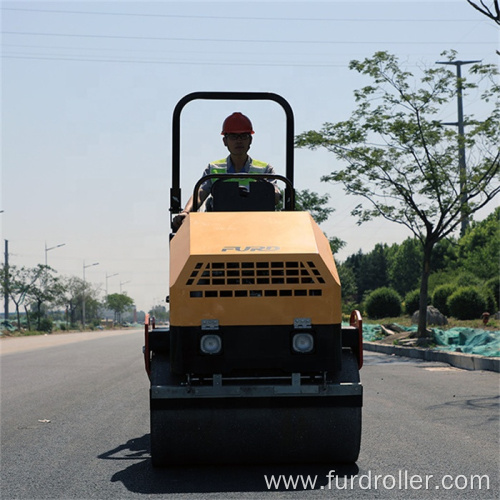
(250, 249)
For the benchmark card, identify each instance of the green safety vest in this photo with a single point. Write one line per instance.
(256, 167)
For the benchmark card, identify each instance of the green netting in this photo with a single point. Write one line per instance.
(468, 340)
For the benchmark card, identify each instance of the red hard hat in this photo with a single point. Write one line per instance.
(237, 123)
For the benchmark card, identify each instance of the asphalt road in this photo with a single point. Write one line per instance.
(74, 425)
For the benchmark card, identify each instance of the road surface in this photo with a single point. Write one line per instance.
(74, 425)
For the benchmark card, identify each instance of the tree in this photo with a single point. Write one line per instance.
(349, 288)
(479, 248)
(486, 11)
(160, 313)
(19, 284)
(404, 266)
(44, 288)
(402, 161)
(314, 204)
(72, 296)
(370, 270)
(118, 302)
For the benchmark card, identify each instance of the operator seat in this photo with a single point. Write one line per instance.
(230, 197)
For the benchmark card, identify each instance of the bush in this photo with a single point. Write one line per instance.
(412, 302)
(493, 285)
(383, 303)
(46, 325)
(466, 303)
(489, 298)
(465, 279)
(440, 298)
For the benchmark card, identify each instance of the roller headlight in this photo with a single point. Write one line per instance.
(211, 344)
(303, 343)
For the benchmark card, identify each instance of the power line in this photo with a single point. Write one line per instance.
(229, 40)
(246, 18)
(184, 63)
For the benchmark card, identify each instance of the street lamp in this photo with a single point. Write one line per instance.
(109, 276)
(51, 248)
(123, 283)
(83, 300)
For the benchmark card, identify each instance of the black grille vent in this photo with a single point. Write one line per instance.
(255, 279)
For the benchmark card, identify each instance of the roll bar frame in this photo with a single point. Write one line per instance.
(175, 190)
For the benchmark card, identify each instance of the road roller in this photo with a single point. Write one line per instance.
(256, 365)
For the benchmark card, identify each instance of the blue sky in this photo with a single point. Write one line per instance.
(88, 91)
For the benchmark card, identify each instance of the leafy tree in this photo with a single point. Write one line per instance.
(405, 266)
(160, 313)
(72, 296)
(370, 270)
(19, 285)
(375, 270)
(348, 282)
(314, 204)
(402, 161)
(444, 255)
(493, 285)
(44, 288)
(118, 302)
(479, 249)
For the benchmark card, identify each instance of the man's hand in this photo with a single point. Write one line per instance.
(178, 220)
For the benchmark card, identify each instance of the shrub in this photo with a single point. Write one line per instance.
(465, 279)
(466, 303)
(412, 302)
(440, 298)
(382, 303)
(493, 285)
(489, 298)
(46, 325)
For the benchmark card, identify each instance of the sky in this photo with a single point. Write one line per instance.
(88, 91)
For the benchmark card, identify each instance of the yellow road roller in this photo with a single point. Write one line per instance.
(256, 365)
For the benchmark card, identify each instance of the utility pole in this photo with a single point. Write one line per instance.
(461, 141)
(6, 282)
(84, 291)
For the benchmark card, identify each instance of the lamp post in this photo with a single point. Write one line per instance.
(51, 248)
(83, 300)
(123, 283)
(109, 276)
(6, 281)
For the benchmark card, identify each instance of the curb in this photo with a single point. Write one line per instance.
(456, 359)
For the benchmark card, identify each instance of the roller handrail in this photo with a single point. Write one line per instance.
(289, 192)
(175, 191)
